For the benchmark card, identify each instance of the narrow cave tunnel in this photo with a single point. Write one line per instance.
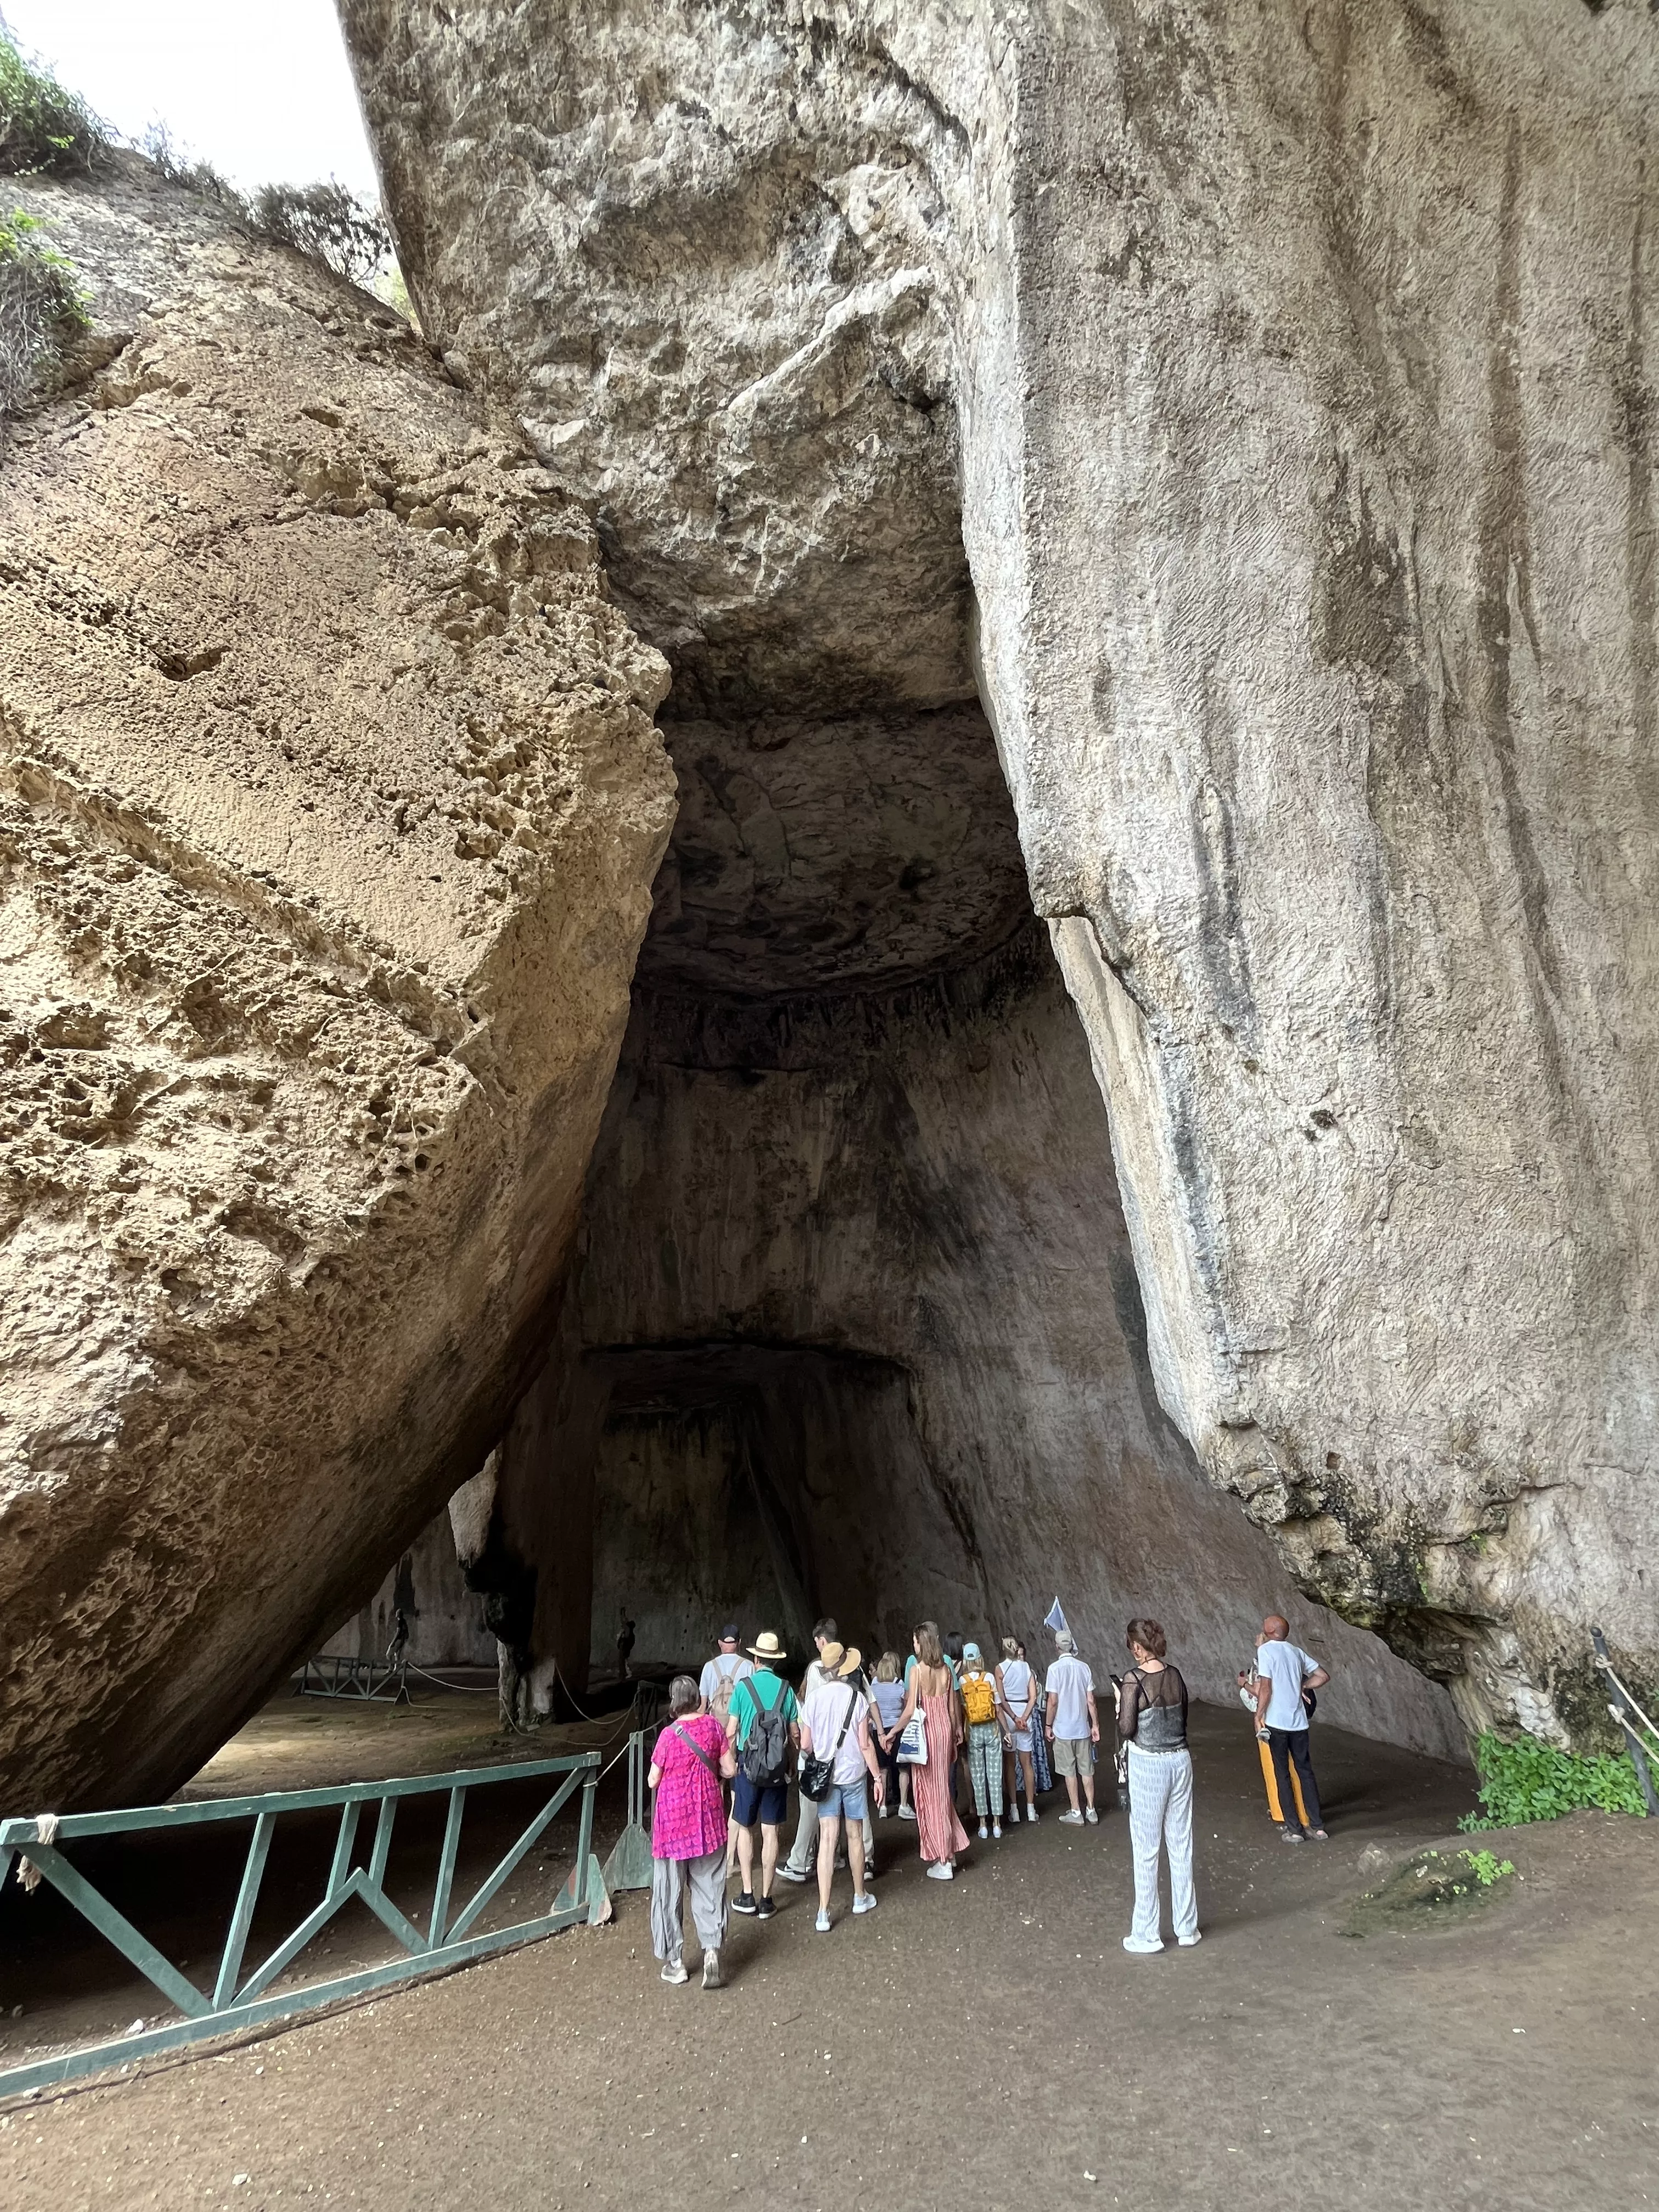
(855, 1326)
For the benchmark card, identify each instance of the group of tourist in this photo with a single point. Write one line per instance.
(900, 1738)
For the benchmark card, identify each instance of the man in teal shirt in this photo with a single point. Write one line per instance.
(762, 1797)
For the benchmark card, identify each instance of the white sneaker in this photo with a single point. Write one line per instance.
(674, 1973)
(1092, 1817)
(1071, 1819)
(711, 1970)
(786, 1872)
(983, 1831)
(996, 1830)
(825, 1924)
(1142, 1950)
(1187, 1941)
(867, 1903)
(1031, 1814)
(907, 1812)
(938, 1871)
(882, 1811)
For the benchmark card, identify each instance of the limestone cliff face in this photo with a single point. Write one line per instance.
(1288, 375)
(329, 800)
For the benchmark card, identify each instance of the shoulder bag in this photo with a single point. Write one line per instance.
(816, 1775)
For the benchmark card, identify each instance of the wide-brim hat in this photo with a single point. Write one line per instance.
(831, 1656)
(766, 1646)
(851, 1660)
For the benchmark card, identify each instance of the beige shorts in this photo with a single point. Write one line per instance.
(1074, 1755)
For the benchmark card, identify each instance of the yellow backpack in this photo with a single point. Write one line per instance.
(979, 1698)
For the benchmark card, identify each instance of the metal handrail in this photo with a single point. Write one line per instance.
(1630, 1718)
(237, 2003)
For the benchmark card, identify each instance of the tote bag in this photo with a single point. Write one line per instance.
(913, 1744)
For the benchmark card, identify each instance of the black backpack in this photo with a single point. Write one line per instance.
(764, 1758)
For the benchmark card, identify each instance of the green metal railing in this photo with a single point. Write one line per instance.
(448, 1941)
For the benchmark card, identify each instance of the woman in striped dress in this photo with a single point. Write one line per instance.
(932, 1693)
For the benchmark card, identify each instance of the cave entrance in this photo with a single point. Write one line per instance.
(855, 1326)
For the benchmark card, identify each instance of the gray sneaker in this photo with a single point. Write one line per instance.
(786, 1872)
(711, 1970)
(1092, 1817)
(1071, 1819)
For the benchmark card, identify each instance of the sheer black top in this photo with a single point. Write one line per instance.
(1151, 1710)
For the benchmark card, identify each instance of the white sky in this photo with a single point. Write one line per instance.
(261, 89)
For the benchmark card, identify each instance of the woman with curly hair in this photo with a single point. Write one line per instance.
(1152, 1719)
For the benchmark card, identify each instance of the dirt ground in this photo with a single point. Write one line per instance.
(986, 2045)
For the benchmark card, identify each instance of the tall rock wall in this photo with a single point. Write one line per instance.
(1287, 374)
(329, 800)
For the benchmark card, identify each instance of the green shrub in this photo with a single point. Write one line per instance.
(326, 222)
(170, 161)
(1526, 1780)
(40, 306)
(42, 126)
(1487, 1867)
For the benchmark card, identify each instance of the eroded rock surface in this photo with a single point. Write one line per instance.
(329, 800)
(1288, 375)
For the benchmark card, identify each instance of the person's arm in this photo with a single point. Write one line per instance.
(655, 1777)
(1317, 1679)
(728, 1763)
(802, 1735)
(1094, 1717)
(909, 1713)
(1264, 1695)
(1129, 1708)
(1048, 1710)
(869, 1750)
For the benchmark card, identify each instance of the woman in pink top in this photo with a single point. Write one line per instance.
(688, 1833)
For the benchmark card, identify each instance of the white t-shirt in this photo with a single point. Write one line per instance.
(1286, 1666)
(1070, 1681)
(823, 1713)
(723, 1664)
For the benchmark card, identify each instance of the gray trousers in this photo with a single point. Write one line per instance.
(804, 1851)
(670, 1879)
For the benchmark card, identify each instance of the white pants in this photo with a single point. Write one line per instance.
(1161, 1812)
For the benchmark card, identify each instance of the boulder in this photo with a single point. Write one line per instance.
(329, 802)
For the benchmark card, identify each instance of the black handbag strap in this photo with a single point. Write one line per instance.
(690, 1741)
(852, 1707)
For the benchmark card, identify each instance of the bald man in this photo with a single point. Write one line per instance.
(1284, 1673)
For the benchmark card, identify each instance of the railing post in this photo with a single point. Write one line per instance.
(446, 1871)
(348, 1836)
(230, 1964)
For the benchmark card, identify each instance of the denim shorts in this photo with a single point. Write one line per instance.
(845, 1802)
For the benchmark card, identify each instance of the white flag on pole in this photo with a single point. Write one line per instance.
(1054, 1617)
